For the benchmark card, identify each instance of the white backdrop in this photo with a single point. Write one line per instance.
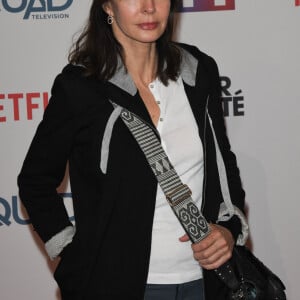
(256, 44)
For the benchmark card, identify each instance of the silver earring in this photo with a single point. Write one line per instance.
(110, 20)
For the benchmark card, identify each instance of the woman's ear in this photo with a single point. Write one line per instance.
(106, 6)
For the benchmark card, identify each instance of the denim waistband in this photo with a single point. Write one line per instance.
(192, 290)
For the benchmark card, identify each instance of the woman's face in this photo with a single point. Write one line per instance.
(138, 21)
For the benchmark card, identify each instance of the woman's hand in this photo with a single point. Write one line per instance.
(215, 249)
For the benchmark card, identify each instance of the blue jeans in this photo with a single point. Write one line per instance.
(192, 290)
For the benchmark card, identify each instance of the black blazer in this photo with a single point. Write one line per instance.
(109, 255)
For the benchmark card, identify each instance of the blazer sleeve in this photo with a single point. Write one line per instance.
(45, 164)
(215, 109)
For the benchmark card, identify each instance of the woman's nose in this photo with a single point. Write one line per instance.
(148, 6)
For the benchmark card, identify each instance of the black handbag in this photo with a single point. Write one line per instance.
(256, 281)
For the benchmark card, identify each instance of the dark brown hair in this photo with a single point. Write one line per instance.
(97, 49)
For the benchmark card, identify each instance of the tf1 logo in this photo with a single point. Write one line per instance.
(205, 5)
(34, 6)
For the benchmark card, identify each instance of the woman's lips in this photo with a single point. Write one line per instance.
(148, 26)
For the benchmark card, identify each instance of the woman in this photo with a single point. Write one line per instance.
(128, 244)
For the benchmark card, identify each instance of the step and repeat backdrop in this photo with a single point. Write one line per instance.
(256, 44)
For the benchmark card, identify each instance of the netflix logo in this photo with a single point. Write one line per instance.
(22, 106)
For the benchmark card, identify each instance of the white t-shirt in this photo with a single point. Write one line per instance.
(172, 261)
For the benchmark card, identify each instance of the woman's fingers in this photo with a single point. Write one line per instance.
(215, 260)
(184, 238)
(215, 249)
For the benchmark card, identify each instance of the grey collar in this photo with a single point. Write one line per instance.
(188, 70)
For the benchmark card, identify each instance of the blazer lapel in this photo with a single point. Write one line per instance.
(133, 103)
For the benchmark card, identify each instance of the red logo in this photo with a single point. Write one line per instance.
(297, 2)
(206, 5)
(13, 105)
